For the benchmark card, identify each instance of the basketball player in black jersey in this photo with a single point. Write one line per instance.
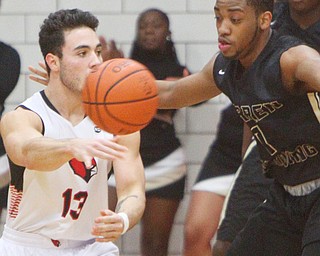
(273, 81)
(301, 19)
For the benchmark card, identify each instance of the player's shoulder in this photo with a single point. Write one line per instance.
(8, 50)
(278, 45)
(298, 53)
(19, 113)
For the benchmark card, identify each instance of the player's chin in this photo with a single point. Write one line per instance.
(230, 56)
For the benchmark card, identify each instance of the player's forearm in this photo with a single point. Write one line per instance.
(164, 92)
(45, 154)
(133, 205)
(130, 179)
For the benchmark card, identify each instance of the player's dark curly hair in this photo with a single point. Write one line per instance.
(261, 5)
(51, 35)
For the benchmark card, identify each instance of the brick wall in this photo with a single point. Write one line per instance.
(193, 31)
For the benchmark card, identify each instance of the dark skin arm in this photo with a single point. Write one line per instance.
(300, 67)
(189, 90)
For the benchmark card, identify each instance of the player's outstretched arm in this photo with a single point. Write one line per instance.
(25, 145)
(189, 90)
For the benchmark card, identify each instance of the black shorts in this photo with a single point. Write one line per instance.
(248, 191)
(174, 190)
(3, 197)
(212, 168)
(283, 225)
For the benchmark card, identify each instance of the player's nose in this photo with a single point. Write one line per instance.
(95, 62)
(223, 28)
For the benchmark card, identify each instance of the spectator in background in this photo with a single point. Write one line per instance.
(161, 151)
(9, 73)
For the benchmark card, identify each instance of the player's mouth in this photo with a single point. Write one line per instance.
(223, 45)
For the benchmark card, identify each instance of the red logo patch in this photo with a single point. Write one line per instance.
(80, 169)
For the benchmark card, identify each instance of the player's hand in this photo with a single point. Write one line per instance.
(107, 227)
(84, 150)
(39, 76)
(110, 50)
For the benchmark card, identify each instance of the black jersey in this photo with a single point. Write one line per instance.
(285, 126)
(228, 143)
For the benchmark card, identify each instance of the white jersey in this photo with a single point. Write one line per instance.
(60, 204)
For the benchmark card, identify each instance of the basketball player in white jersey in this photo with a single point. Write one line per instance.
(59, 160)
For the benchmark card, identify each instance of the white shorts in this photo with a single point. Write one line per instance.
(219, 185)
(4, 171)
(14, 243)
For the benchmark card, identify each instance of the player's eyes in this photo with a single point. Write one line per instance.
(235, 20)
(98, 52)
(82, 54)
(217, 18)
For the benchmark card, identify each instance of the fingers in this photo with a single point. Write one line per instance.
(112, 45)
(84, 150)
(112, 143)
(106, 212)
(38, 80)
(43, 66)
(108, 237)
(103, 42)
(109, 49)
(38, 75)
(107, 227)
(38, 72)
(107, 152)
(117, 53)
(88, 163)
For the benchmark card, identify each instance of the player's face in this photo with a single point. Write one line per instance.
(237, 26)
(303, 7)
(81, 54)
(152, 31)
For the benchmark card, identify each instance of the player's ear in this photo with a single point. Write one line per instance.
(265, 20)
(53, 62)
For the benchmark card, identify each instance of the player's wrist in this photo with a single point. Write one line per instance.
(126, 223)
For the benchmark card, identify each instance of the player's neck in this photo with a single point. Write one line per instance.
(259, 43)
(68, 105)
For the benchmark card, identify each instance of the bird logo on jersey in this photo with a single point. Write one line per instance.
(80, 169)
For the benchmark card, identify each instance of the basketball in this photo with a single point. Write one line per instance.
(121, 97)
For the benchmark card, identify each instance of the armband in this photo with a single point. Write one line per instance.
(125, 219)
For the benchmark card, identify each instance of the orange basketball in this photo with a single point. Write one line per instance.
(121, 97)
